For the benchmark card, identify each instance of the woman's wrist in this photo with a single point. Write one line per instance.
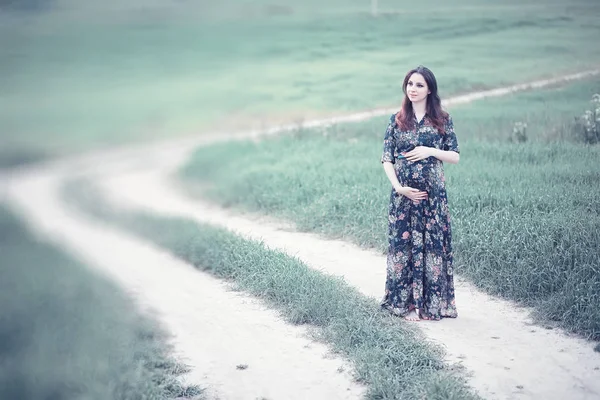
(434, 152)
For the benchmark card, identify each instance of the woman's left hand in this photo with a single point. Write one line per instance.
(418, 153)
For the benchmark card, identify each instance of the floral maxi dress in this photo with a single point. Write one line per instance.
(419, 261)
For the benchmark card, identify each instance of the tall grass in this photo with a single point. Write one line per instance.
(68, 333)
(525, 215)
(390, 356)
(528, 228)
(107, 74)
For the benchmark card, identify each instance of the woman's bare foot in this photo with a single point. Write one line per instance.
(413, 315)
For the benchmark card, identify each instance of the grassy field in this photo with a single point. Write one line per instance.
(68, 333)
(526, 216)
(391, 356)
(76, 76)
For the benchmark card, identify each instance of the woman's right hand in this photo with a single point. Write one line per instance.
(415, 195)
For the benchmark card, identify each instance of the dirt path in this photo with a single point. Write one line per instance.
(214, 329)
(507, 357)
(506, 354)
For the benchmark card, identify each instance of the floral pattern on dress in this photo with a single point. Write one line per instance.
(419, 260)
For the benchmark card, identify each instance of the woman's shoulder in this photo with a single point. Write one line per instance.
(447, 118)
(392, 121)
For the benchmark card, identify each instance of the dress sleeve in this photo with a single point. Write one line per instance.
(389, 142)
(449, 141)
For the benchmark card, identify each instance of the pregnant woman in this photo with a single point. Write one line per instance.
(418, 139)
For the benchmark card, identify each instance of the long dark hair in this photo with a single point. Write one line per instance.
(405, 117)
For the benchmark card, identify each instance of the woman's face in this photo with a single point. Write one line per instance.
(416, 88)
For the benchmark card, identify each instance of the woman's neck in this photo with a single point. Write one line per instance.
(419, 109)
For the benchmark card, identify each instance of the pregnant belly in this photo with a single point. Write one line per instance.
(415, 175)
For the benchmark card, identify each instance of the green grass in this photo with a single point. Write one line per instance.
(392, 357)
(100, 75)
(526, 217)
(68, 333)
